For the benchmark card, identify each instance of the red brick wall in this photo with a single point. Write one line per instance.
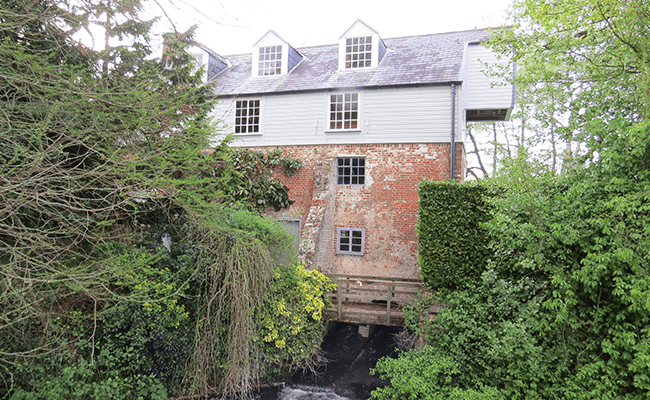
(386, 206)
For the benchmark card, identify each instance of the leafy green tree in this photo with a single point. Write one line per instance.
(100, 152)
(563, 311)
(582, 65)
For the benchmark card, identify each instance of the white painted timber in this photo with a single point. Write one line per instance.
(486, 92)
(396, 115)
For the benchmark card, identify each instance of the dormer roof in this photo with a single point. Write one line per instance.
(270, 33)
(415, 60)
(357, 24)
(214, 63)
(360, 47)
(273, 56)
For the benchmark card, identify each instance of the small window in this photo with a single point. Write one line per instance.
(344, 111)
(351, 171)
(358, 52)
(270, 62)
(350, 241)
(247, 116)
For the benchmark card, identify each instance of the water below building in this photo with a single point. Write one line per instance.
(346, 376)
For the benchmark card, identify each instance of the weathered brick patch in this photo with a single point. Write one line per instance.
(386, 206)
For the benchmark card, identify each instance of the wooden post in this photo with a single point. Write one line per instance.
(339, 298)
(390, 296)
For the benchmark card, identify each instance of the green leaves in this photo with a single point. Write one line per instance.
(452, 244)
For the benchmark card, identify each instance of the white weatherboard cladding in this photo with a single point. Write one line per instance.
(461, 120)
(409, 115)
(402, 115)
(358, 30)
(270, 40)
(485, 93)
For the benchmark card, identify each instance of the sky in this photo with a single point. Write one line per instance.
(231, 27)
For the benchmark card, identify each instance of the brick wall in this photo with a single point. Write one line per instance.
(386, 206)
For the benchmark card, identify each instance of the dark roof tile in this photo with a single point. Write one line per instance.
(413, 60)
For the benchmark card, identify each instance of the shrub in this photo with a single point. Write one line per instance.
(453, 246)
(292, 326)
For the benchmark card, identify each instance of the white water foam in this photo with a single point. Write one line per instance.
(308, 393)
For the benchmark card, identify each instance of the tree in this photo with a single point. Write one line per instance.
(563, 310)
(86, 136)
(583, 65)
(118, 236)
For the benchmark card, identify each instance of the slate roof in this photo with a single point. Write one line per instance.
(414, 60)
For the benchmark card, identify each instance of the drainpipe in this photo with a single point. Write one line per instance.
(452, 173)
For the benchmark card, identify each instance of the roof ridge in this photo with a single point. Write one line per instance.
(391, 38)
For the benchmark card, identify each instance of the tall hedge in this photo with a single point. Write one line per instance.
(452, 244)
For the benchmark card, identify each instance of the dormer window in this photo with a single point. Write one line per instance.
(270, 61)
(360, 47)
(358, 52)
(273, 56)
(212, 63)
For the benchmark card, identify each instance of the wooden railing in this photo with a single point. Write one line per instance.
(371, 300)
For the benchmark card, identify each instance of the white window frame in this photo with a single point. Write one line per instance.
(237, 107)
(359, 53)
(270, 60)
(356, 237)
(351, 171)
(334, 111)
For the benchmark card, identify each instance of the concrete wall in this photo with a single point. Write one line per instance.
(386, 206)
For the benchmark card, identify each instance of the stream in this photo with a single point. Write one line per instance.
(346, 376)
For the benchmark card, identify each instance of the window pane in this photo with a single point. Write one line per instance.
(247, 116)
(270, 61)
(350, 241)
(347, 102)
(348, 172)
(358, 49)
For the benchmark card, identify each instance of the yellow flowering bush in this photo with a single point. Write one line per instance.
(292, 325)
(157, 293)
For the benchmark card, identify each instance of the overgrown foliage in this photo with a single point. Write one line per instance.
(82, 145)
(451, 242)
(124, 250)
(563, 311)
(292, 317)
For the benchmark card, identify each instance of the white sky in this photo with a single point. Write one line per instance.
(233, 26)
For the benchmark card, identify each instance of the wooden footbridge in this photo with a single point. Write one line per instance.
(366, 300)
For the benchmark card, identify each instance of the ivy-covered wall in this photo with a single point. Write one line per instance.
(453, 248)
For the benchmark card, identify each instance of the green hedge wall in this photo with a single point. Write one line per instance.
(453, 247)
